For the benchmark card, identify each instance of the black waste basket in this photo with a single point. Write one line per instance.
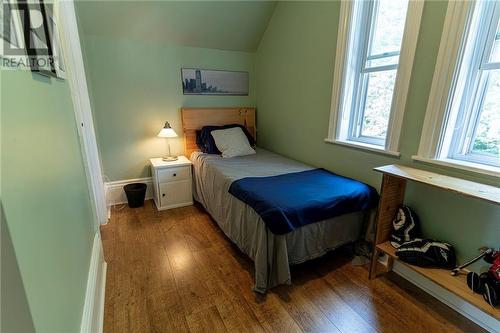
(135, 194)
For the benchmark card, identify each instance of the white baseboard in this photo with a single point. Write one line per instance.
(93, 309)
(116, 195)
(453, 301)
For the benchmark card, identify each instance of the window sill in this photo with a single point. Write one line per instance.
(461, 165)
(364, 146)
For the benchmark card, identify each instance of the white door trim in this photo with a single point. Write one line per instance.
(93, 308)
(70, 42)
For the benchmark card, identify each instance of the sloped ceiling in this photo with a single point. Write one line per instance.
(225, 25)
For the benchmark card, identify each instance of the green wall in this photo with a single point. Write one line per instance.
(15, 314)
(294, 65)
(136, 86)
(46, 201)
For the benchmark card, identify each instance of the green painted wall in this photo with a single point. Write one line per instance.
(45, 199)
(136, 87)
(294, 66)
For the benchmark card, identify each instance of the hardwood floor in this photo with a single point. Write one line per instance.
(175, 271)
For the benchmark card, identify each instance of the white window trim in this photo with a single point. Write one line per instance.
(408, 47)
(448, 59)
(461, 165)
(364, 146)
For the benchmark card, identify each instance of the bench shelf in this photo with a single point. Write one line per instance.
(392, 196)
(455, 284)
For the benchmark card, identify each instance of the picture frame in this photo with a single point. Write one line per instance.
(36, 41)
(55, 42)
(197, 81)
(37, 38)
(11, 32)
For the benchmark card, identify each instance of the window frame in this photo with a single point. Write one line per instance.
(456, 95)
(462, 142)
(362, 73)
(342, 130)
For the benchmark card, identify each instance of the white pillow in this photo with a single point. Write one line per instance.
(232, 142)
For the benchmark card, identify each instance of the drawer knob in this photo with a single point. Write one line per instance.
(163, 194)
(175, 174)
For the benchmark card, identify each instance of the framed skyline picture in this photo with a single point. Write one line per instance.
(197, 81)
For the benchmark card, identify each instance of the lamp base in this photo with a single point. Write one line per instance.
(170, 158)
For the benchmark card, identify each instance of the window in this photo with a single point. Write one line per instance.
(466, 128)
(373, 64)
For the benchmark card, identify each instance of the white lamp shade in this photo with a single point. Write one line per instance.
(167, 131)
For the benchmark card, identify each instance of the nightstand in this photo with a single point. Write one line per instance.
(172, 183)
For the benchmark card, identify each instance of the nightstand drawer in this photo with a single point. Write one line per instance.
(174, 194)
(174, 174)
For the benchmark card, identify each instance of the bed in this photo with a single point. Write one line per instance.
(272, 253)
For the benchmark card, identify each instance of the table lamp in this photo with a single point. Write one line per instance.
(168, 132)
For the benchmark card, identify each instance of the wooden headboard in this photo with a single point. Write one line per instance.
(195, 119)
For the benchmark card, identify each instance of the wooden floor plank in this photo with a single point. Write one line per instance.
(372, 310)
(233, 280)
(189, 279)
(397, 302)
(237, 316)
(166, 313)
(335, 308)
(176, 271)
(270, 313)
(303, 310)
(207, 320)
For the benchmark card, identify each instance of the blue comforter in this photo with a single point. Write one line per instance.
(289, 201)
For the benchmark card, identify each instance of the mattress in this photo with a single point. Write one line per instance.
(272, 254)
